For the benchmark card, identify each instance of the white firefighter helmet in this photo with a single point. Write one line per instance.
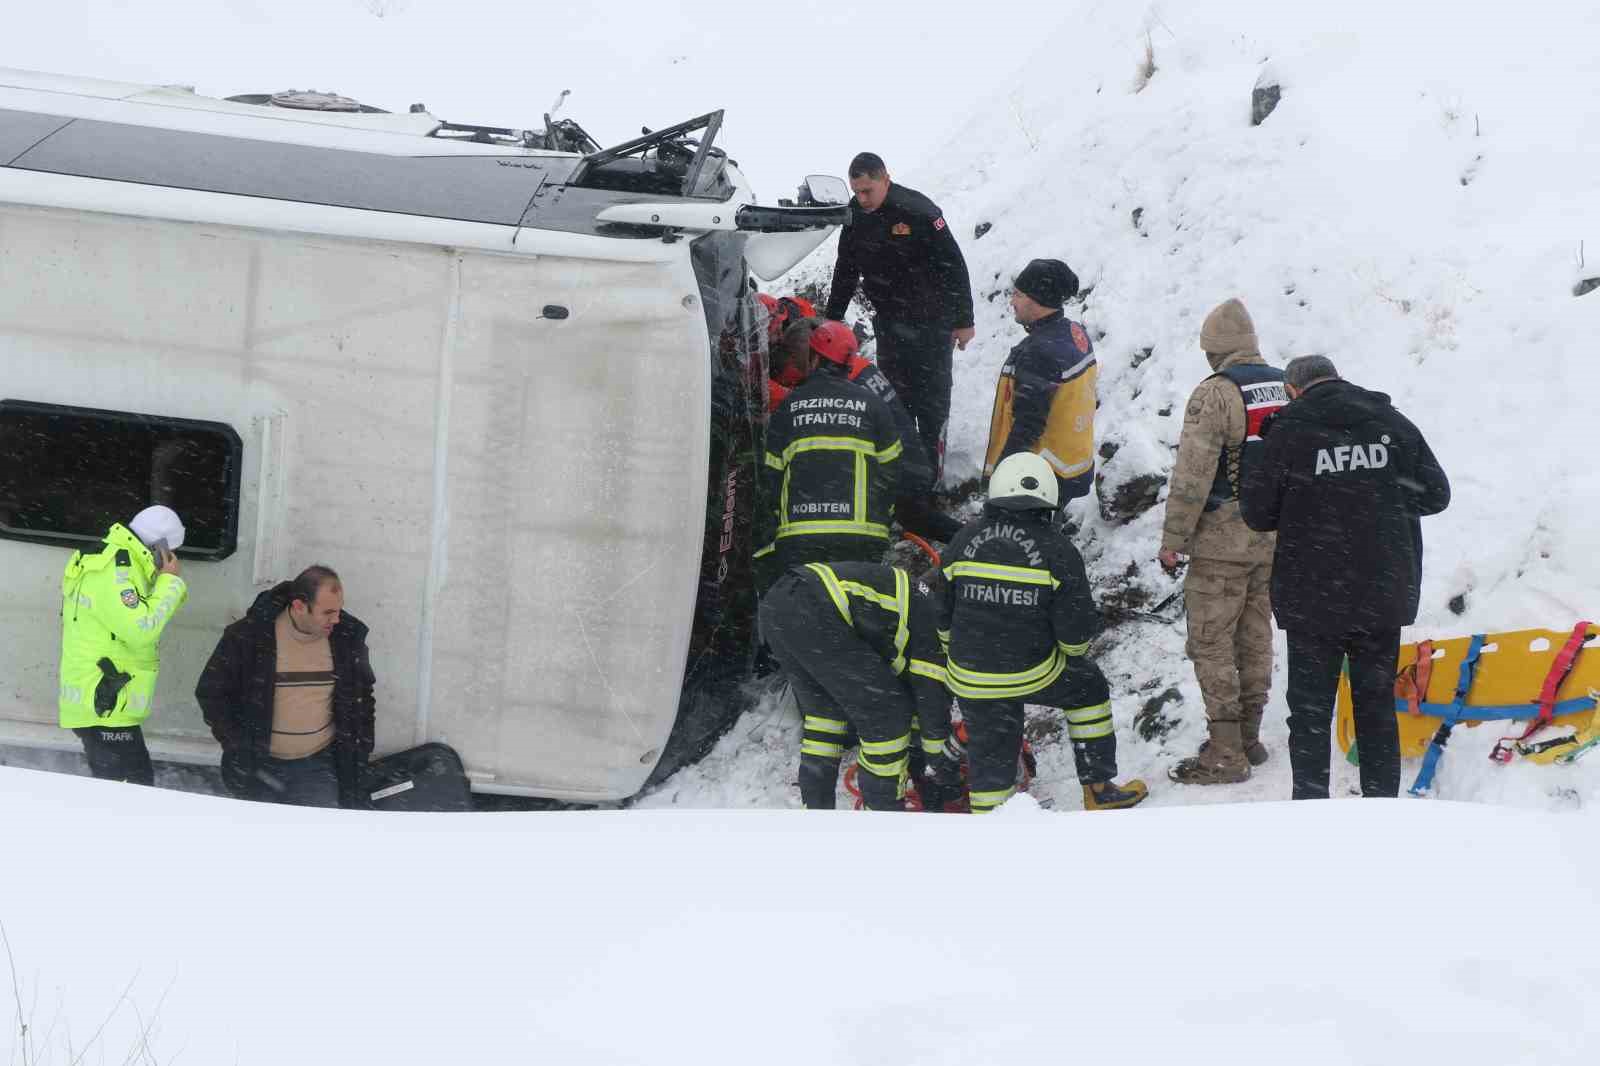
(1022, 482)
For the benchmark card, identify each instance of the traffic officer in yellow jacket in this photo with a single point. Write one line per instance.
(1017, 618)
(1044, 400)
(859, 644)
(832, 467)
(115, 605)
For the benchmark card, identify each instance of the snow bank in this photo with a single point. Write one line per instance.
(1413, 209)
(1343, 932)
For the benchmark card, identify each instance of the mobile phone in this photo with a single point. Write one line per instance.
(159, 551)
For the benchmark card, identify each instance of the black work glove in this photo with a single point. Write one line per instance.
(238, 774)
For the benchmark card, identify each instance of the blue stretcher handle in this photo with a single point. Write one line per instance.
(1430, 763)
(1456, 712)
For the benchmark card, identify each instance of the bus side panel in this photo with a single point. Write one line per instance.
(577, 465)
(340, 339)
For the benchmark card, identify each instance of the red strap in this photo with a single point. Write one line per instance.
(1565, 658)
(1416, 684)
(927, 549)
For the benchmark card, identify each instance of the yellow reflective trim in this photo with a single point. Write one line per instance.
(902, 610)
(774, 461)
(923, 668)
(894, 769)
(830, 582)
(1090, 732)
(1073, 649)
(860, 511)
(1087, 714)
(818, 747)
(828, 444)
(889, 454)
(768, 550)
(824, 527)
(981, 691)
(1020, 677)
(984, 802)
(867, 592)
(932, 745)
(886, 747)
(783, 503)
(1016, 575)
(1089, 723)
(827, 725)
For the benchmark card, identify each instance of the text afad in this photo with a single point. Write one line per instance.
(1348, 457)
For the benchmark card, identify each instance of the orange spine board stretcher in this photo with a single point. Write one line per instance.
(1511, 671)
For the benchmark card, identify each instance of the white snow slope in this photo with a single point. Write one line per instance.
(203, 930)
(1413, 209)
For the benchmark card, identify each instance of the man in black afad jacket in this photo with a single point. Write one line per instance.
(288, 695)
(899, 249)
(1344, 480)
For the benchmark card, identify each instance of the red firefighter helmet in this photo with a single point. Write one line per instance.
(834, 342)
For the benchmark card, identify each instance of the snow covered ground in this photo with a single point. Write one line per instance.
(1414, 208)
(196, 929)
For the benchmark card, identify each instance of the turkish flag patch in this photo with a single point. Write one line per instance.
(1080, 338)
(938, 223)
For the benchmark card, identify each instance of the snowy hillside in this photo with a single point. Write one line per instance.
(1413, 208)
(209, 931)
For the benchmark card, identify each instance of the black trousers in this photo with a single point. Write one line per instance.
(845, 690)
(1314, 663)
(994, 733)
(917, 361)
(117, 754)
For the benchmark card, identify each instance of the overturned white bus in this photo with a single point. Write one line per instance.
(504, 381)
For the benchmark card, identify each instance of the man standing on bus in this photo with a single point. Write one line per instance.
(899, 250)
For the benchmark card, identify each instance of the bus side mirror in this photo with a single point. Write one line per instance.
(824, 189)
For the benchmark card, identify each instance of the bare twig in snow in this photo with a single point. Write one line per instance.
(1015, 100)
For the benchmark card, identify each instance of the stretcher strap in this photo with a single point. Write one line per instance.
(1454, 713)
(1560, 670)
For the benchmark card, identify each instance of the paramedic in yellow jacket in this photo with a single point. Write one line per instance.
(1044, 400)
(115, 604)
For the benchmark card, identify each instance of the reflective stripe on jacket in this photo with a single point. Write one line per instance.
(1044, 403)
(901, 625)
(831, 463)
(114, 607)
(1016, 605)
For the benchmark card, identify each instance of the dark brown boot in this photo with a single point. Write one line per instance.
(1220, 761)
(1250, 736)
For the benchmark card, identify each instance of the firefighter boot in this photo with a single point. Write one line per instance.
(1255, 752)
(1220, 761)
(1110, 796)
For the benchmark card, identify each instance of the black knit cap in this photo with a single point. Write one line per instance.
(1049, 282)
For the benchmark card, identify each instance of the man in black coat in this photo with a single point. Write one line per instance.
(1344, 481)
(899, 249)
(288, 695)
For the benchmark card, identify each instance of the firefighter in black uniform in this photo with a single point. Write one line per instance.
(831, 468)
(859, 644)
(912, 512)
(898, 248)
(1017, 619)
